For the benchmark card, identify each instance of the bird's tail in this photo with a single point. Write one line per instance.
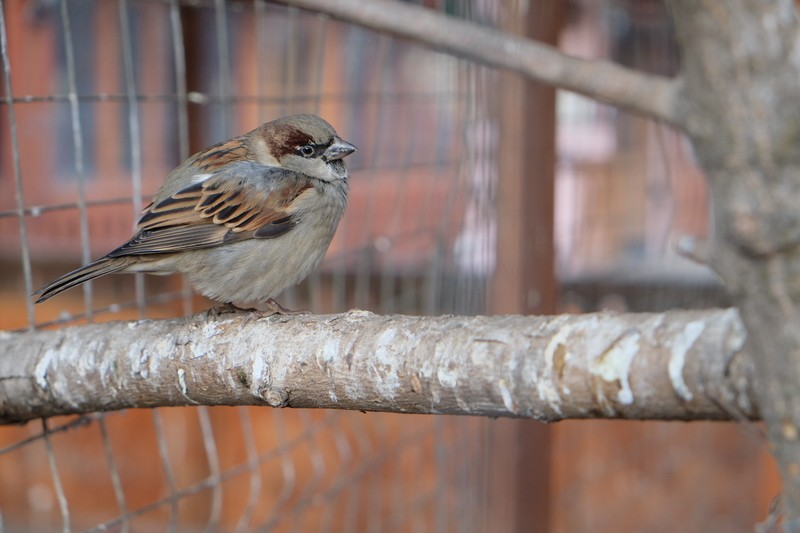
(101, 267)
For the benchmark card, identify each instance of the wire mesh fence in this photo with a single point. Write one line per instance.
(102, 99)
(242, 470)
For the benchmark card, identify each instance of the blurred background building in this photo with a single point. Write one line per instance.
(473, 192)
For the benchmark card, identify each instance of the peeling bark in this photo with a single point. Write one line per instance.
(675, 366)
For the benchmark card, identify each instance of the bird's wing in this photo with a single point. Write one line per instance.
(242, 201)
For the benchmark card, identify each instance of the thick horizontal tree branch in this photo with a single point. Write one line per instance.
(683, 365)
(653, 96)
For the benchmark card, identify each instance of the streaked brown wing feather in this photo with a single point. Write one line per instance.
(220, 155)
(254, 202)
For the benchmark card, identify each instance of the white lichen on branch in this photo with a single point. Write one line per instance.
(548, 368)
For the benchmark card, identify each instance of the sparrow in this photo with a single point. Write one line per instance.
(243, 219)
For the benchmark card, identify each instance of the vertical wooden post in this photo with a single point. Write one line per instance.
(524, 279)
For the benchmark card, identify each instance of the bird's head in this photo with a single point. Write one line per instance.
(305, 144)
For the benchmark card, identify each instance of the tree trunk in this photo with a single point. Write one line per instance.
(741, 108)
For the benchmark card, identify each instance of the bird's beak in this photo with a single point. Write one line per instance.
(338, 150)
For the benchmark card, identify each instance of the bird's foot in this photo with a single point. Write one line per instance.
(274, 308)
(223, 309)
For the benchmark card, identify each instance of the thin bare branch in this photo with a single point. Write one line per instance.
(653, 96)
(681, 365)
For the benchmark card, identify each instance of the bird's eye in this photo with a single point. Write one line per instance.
(307, 150)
